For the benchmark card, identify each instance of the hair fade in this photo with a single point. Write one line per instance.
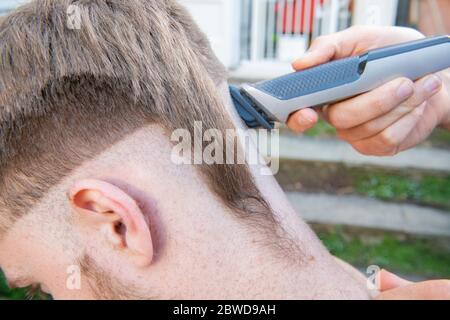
(130, 64)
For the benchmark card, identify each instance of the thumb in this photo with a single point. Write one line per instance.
(303, 120)
(390, 281)
(320, 52)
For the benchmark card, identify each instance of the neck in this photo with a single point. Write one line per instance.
(306, 270)
(245, 267)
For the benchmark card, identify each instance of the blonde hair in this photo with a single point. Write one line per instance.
(130, 64)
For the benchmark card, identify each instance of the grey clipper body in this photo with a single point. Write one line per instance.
(264, 103)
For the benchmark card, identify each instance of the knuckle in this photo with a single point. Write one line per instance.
(418, 111)
(380, 104)
(387, 141)
(338, 118)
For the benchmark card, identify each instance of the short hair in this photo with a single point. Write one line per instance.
(132, 63)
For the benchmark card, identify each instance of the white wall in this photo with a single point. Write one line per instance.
(375, 12)
(220, 20)
(6, 5)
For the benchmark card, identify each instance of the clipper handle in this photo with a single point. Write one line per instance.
(320, 78)
(342, 79)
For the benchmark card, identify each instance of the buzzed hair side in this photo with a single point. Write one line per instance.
(132, 63)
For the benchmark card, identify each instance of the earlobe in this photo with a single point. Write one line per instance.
(116, 215)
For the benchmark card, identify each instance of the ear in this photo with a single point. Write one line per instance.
(117, 215)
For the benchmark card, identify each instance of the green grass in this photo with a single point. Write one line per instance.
(5, 292)
(395, 185)
(423, 189)
(19, 294)
(440, 138)
(420, 257)
(322, 129)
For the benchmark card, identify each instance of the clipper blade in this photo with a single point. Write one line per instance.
(251, 115)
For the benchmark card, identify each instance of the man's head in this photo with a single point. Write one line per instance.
(86, 178)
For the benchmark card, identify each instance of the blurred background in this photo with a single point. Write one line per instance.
(391, 212)
(257, 38)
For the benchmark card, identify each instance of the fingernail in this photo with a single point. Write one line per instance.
(405, 90)
(432, 84)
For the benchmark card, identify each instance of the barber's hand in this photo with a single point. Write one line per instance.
(395, 117)
(395, 288)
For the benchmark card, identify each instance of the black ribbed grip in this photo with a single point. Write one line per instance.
(323, 77)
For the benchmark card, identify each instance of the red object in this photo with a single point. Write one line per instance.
(298, 23)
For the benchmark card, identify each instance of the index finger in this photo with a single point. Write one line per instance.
(327, 48)
(321, 53)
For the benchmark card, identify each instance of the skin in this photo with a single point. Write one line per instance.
(396, 288)
(392, 118)
(131, 211)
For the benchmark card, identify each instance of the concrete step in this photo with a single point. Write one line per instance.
(369, 213)
(335, 151)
